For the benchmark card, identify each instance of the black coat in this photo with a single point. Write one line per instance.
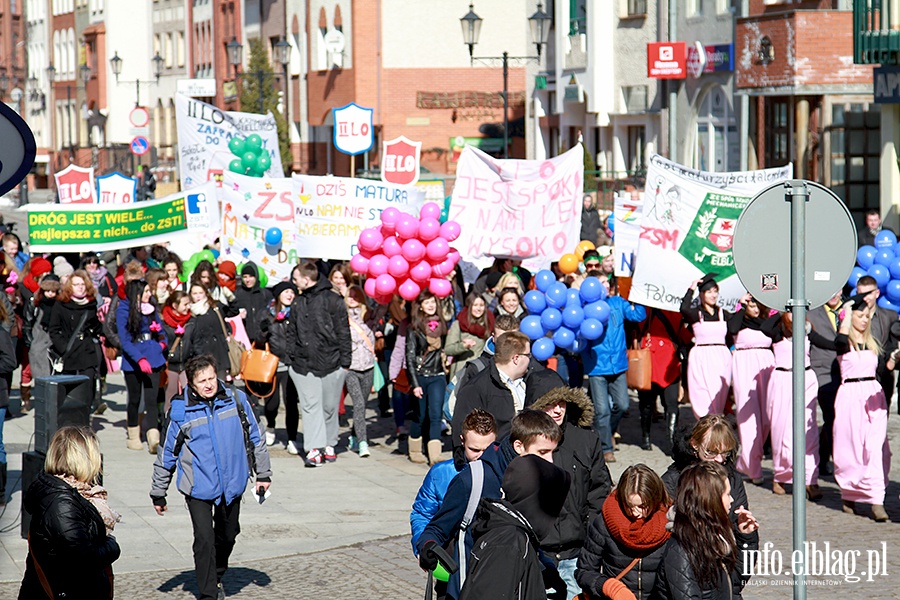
(8, 364)
(255, 301)
(590, 224)
(204, 334)
(69, 541)
(85, 352)
(504, 561)
(275, 333)
(675, 578)
(421, 362)
(176, 353)
(319, 340)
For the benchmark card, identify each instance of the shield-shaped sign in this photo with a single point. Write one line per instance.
(400, 161)
(353, 129)
(17, 150)
(116, 188)
(75, 185)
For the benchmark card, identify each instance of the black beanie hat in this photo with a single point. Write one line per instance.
(281, 286)
(537, 489)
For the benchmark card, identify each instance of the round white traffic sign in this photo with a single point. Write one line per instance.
(139, 116)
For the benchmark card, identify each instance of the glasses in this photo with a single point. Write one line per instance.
(593, 265)
(525, 354)
(710, 455)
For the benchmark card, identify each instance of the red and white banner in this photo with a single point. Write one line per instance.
(400, 161)
(75, 185)
(666, 60)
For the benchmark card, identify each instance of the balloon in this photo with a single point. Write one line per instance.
(556, 294)
(544, 279)
(413, 250)
(591, 329)
(884, 257)
(892, 291)
(253, 143)
(263, 162)
(273, 236)
(551, 319)
(440, 287)
(858, 272)
(543, 348)
(248, 160)
(236, 145)
(564, 338)
(369, 287)
(385, 285)
(397, 267)
(428, 229)
(573, 298)
(597, 310)
(450, 230)
(420, 272)
(370, 239)
(591, 290)
(384, 300)
(865, 256)
(359, 264)
(430, 211)
(880, 274)
(407, 227)
(409, 290)
(568, 264)
(389, 218)
(443, 269)
(263, 279)
(437, 250)
(535, 302)
(886, 304)
(582, 247)
(611, 222)
(454, 256)
(894, 268)
(235, 166)
(885, 239)
(579, 345)
(378, 265)
(391, 247)
(445, 216)
(531, 326)
(572, 317)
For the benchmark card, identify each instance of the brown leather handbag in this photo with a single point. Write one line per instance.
(639, 375)
(259, 366)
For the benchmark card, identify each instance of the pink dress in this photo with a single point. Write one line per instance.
(751, 367)
(862, 456)
(778, 402)
(709, 368)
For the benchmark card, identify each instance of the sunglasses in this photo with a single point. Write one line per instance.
(592, 265)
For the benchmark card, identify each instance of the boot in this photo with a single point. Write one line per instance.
(646, 420)
(25, 392)
(849, 507)
(415, 450)
(813, 492)
(777, 488)
(434, 451)
(152, 440)
(2, 484)
(671, 422)
(877, 513)
(134, 439)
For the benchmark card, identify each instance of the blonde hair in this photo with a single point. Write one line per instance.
(864, 338)
(510, 280)
(74, 451)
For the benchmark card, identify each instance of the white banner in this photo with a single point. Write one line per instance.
(204, 133)
(115, 188)
(331, 211)
(686, 230)
(522, 209)
(251, 208)
(627, 217)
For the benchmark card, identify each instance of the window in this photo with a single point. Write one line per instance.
(637, 8)
(635, 98)
(170, 51)
(855, 137)
(179, 49)
(717, 140)
(694, 8)
(577, 17)
(637, 142)
(778, 132)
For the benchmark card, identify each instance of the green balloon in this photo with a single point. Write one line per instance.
(445, 214)
(263, 162)
(253, 143)
(248, 160)
(263, 279)
(236, 166)
(236, 145)
(207, 255)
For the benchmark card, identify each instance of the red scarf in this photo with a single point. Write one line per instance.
(639, 534)
(173, 319)
(479, 331)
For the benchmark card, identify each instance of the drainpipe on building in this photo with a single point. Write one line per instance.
(672, 86)
(744, 110)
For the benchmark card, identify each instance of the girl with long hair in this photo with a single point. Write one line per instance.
(143, 358)
(705, 556)
(36, 328)
(469, 333)
(173, 267)
(340, 278)
(204, 333)
(425, 368)
(205, 275)
(103, 281)
(159, 289)
(625, 542)
(396, 331)
(362, 366)
(862, 456)
(509, 302)
(175, 316)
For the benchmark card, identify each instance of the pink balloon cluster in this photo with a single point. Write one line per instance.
(404, 255)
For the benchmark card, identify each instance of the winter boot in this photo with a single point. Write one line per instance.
(646, 421)
(415, 450)
(671, 422)
(152, 440)
(134, 439)
(434, 451)
(2, 484)
(877, 509)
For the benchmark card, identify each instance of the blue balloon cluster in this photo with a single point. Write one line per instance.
(559, 317)
(881, 262)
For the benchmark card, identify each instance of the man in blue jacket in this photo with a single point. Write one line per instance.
(209, 436)
(606, 363)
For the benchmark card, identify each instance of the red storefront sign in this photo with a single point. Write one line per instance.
(666, 60)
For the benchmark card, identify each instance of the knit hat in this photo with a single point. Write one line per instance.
(492, 279)
(281, 286)
(39, 266)
(249, 269)
(61, 267)
(537, 489)
(228, 268)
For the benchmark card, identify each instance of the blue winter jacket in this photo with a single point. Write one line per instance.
(147, 346)
(428, 500)
(607, 355)
(205, 442)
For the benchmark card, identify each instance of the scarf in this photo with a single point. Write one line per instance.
(80, 301)
(280, 315)
(97, 496)
(173, 319)
(147, 308)
(98, 276)
(479, 331)
(432, 336)
(639, 534)
(199, 308)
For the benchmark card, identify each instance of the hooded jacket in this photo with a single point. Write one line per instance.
(579, 454)
(608, 356)
(319, 340)
(69, 540)
(255, 300)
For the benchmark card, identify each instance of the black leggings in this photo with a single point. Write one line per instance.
(647, 399)
(286, 392)
(142, 386)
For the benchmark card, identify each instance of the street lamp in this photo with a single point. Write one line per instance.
(116, 63)
(235, 50)
(539, 23)
(283, 57)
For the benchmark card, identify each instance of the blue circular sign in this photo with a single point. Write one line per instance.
(140, 145)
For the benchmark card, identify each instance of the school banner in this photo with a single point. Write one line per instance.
(331, 211)
(522, 209)
(686, 230)
(204, 136)
(116, 188)
(627, 215)
(99, 227)
(75, 185)
(255, 213)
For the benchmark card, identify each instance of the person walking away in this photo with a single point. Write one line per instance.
(661, 338)
(362, 366)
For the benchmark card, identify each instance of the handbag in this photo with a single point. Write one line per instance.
(235, 349)
(401, 383)
(57, 363)
(639, 368)
(259, 366)
(377, 380)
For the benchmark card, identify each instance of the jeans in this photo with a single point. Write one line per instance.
(430, 405)
(566, 570)
(2, 447)
(610, 396)
(400, 404)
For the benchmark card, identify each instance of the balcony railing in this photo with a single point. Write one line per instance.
(876, 32)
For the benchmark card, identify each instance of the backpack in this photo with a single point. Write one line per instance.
(477, 470)
(472, 368)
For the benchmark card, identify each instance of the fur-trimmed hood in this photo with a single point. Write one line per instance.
(580, 409)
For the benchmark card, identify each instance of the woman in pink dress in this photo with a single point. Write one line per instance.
(751, 367)
(861, 451)
(779, 405)
(709, 361)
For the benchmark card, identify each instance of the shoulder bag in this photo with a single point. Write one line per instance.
(259, 366)
(57, 363)
(639, 367)
(235, 350)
